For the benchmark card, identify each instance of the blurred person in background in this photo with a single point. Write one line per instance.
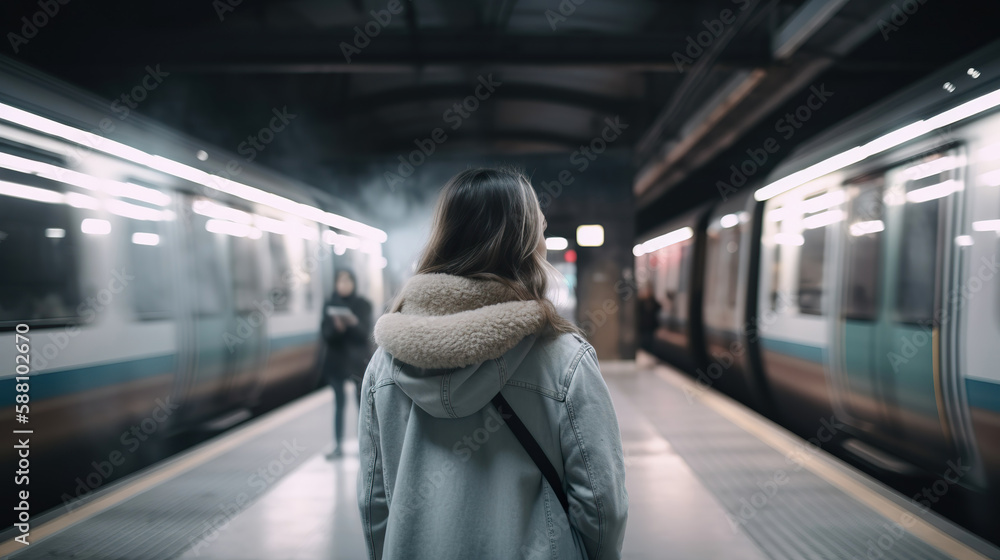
(486, 428)
(649, 316)
(347, 330)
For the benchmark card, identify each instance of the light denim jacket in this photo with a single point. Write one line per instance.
(442, 477)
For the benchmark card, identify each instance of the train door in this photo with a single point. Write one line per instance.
(246, 338)
(892, 291)
(859, 316)
(223, 340)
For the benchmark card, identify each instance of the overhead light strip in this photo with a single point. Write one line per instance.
(164, 165)
(878, 145)
(82, 180)
(665, 240)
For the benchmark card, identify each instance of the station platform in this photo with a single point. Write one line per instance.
(707, 478)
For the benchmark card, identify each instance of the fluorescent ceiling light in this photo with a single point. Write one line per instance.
(933, 167)
(821, 202)
(137, 192)
(880, 144)
(964, 241)
(218, 211)
(729, 220)
(863, 228)
(932, 192)
(271, 225)
(87, 202)
(824, 219)
(82, 180)
(142, 238)
(986, 225)
(808, 206)
(665, 240)
(229, 228)
(556, 243)
(31, 193)
(55, 233)
(94, 226)
(590, 236)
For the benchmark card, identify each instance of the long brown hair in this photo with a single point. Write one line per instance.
(487, 225)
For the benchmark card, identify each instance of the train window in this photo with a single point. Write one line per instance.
(39, 278)
(246, 277)
(776, 277)
(811, 255)
(307, 250)
(776, 257)
(152, 295)
(207, 269)
(918, 256)
(722, 267)
(731, 250)
(684, 282)
(279, 267)
(714, 262)
(863, 252)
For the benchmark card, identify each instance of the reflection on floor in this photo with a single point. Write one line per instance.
(308, 515)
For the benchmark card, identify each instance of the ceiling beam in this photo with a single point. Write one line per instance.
(667, 169)
(390, 51)
(462, 138)
(665, 123)
(606, 105)
(806, 21)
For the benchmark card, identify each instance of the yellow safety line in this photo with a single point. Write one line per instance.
(180, 465)
(765, 432)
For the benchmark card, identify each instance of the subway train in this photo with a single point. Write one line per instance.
(853, 295)
(150, 287)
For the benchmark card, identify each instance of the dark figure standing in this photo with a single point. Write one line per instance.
(649, 317)
(347, 330)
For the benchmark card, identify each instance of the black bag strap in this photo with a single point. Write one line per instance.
(531, 446)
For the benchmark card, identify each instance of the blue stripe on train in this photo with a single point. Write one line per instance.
(293, 340)
(794, 349)
(983, 394)
(48, 385)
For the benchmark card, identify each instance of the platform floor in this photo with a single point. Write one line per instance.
(706, 477)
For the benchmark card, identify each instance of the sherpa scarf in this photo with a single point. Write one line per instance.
(449, 321)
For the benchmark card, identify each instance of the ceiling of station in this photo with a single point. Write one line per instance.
(689, 78)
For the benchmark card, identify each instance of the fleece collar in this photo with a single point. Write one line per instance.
(449, 321)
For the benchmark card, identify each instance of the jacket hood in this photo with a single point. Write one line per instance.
(457, 340)
(459, 392)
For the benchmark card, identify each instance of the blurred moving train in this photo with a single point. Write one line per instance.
(854, 295)
(163, 285)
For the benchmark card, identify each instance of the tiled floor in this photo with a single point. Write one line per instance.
(691, 463)
(308, 515)
(312, 513)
